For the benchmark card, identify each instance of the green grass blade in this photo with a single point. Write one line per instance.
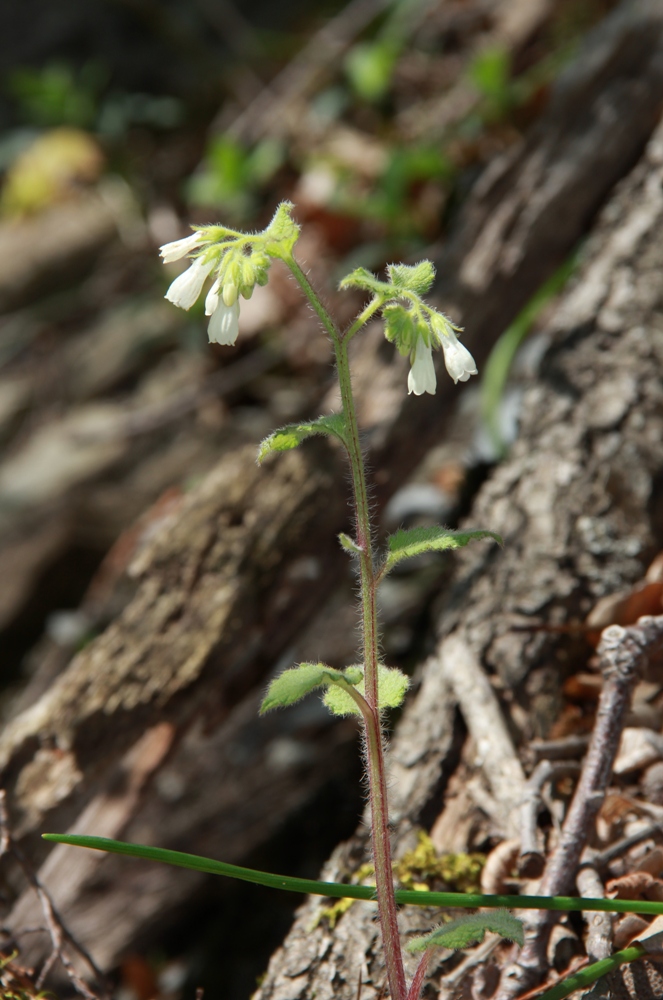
(338, 890)
(497, 367)
(585, 977)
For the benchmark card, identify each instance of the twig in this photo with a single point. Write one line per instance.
(599, 859)
(564, 748)
(485, 722)
(599, 925)
(532, 861)
(624, 653)
(449, 984)
(57, 929)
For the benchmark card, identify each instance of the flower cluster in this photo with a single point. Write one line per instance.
(238, 268)
(236, 262)
(413, 326)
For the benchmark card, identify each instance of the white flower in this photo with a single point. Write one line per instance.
(212, 300)
(224, 324)
(460, 363)
(422, 373)
(187, 286)
(180, 248)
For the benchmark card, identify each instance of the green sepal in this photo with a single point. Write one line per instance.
(293, 685)
(469, 930)
(292, 435)
(280, 236)
(406, 544)
(392, 685)
(417, 278)
(349, 545)
(400, 327)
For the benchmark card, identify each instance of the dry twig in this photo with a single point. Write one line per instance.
(57, 929)
(624, 654)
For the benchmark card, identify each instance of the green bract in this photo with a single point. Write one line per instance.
(418, 279)
(282, 233)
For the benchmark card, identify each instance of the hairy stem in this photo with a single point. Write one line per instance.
(373, 728)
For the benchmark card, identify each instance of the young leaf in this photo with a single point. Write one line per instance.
(293, 685)
(349, 545)
(410, 543)
(392, 685)
(361, 278)
(292, 435)
(418, 278)
(282, 232)
(471, 930)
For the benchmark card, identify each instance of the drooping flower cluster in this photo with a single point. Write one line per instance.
(413, 326)
(238, 266)
(236, 262)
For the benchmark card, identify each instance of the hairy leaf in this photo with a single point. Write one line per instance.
(282, 232)
(349, 544)
(361, 278)
(417, 278)
(293, 685)
(413, 542)
(292, 435)
(471, 930)
(392, 685)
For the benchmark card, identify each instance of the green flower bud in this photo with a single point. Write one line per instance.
(229, 293)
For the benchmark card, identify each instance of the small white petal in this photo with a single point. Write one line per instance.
(458, 360)
(212, 300)
(180, 248)
(422, 373)
(224, 324)
(187, 286)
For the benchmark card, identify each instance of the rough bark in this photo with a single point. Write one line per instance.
(205, 627)
(579, 506)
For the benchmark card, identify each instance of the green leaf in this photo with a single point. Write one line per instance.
(293, 685)
(413, 542)
(343, 890)
(469, 930)
(392, 685)
(282, 233)
(361, 278)
(417, 279)
(292, 435)
(349, 544)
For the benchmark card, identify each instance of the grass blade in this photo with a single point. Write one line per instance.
(338, 890)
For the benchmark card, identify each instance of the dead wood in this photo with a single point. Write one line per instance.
(228, 583)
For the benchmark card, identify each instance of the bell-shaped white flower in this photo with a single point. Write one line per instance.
(458, 360)
(224, 324)
(422, 373)
(187, 286)
(180, 248)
